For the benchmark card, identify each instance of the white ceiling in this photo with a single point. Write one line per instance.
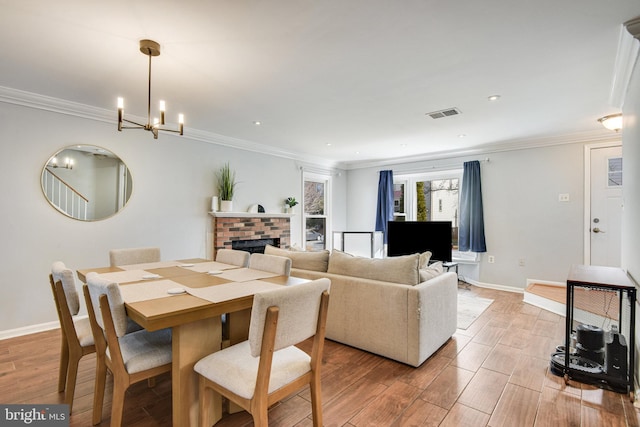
(346, 81)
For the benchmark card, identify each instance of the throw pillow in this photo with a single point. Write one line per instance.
(400, 269)
(424, 259)
(314, 261)
(431, 271)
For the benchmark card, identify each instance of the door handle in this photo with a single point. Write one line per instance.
(597, 230)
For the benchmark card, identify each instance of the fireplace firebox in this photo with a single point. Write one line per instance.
(254, 245)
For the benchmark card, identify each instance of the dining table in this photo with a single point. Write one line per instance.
(190, 296)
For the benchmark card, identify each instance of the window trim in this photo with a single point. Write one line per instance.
(327, 180)
(410, 180)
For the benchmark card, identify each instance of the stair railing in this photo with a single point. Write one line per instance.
(63, 196)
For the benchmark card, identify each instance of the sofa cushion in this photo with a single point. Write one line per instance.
(431, 271)
(424, 259)
(315, 261)
(400, 269)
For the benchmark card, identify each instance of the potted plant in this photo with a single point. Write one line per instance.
(226, 187)
(290, 202)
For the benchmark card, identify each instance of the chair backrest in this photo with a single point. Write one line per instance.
(298, 306)
(271, 263)
(130, 256)
(65, 275)
(233, 257)
(99, 286)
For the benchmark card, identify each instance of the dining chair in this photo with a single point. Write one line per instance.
(233, 257)
(130, 357)
(77, 338)
(267, 367)
(271, 263)
(128, 256)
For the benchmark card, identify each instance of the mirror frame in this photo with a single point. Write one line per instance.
(63, 188)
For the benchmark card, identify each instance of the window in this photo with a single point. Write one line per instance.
(429, 197)
(398, 201)
(614, 172)
(316, 190)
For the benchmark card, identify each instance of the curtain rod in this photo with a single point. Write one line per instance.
(424, 169)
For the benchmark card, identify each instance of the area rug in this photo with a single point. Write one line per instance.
(470, 308)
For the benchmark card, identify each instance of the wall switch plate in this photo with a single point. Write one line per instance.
(563, 197)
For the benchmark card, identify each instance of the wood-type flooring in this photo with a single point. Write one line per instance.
(494, 373)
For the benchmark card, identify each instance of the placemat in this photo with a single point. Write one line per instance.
(144, 291)
(203, 267)
(230, 291)
(129, 276)
(150, 265)
(245, 274)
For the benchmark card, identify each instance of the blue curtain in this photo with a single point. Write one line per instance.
(384, 212)
(471, 232)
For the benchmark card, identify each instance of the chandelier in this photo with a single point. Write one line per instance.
(149, 48)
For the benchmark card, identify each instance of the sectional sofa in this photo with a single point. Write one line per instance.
(396, 307)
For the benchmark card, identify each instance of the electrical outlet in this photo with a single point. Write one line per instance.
(491, 259)
(521, 262)
(563, 197)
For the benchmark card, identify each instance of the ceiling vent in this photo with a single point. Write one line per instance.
(444, 113)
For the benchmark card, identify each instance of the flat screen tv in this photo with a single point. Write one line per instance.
(410, 237)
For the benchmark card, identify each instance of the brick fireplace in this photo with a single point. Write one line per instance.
(240, 226)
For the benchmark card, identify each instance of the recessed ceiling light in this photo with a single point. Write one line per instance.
(403, 145)
(462, 135)
(328, 144)
(494, 97)
(257, 122)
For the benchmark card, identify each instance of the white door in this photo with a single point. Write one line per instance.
(606, 206)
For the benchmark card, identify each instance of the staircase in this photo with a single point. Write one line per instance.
(63, 196)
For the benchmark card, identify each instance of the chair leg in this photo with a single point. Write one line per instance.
(117, 403)
(316, 401)
(72, 376)
(64, 364)
(98, 391)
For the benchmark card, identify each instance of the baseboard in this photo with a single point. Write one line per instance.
(492, 286)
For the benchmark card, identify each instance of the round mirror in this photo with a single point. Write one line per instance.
(86, 182)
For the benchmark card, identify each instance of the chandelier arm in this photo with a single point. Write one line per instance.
(133, 123)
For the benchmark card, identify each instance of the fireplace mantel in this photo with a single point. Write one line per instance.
(250, 215)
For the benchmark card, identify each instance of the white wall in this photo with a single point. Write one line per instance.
(523, 217)
(173, 179)
(631, 193)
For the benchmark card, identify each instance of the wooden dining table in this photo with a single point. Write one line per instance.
(195, 321)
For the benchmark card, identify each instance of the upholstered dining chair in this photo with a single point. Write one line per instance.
(271, 263)
(130, 357)
(77, 338)
(233, 257)
(268, 366)
(128, 256)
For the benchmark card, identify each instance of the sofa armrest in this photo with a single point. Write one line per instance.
(434, 305)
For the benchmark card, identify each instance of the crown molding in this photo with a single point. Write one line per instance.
(56, 105)
(42, 102)
(596, 136)
(626, 58)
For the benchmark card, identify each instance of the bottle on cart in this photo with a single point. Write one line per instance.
(616, 353)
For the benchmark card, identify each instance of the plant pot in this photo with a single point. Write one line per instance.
(226, 205)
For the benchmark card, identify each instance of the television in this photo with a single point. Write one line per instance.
(410, 237)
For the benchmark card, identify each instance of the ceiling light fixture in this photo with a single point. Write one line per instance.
(494, 97)
(68, 163)
(612, 121)
(149, 48)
